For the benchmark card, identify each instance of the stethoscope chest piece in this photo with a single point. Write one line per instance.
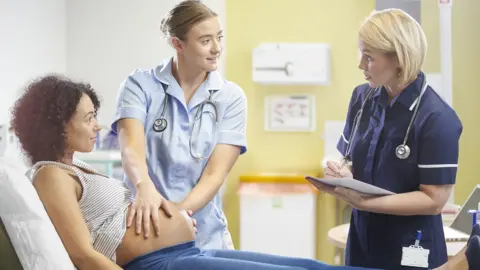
(160, 125)
(402, 151)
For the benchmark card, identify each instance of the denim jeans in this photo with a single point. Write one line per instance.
(186, 256)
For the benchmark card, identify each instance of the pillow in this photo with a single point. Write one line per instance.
(31, 231)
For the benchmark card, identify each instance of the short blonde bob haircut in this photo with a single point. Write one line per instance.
(394, 32)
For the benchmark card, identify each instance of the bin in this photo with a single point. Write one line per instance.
(278, 215)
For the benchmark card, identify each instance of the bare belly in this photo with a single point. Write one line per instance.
(175, 230)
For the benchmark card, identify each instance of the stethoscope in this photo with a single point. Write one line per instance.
(403, 150)
(160, 124)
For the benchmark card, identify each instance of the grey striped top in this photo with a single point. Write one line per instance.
(104, 204)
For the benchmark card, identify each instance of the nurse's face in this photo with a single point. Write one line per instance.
(83, 127)
(203, 45)
(378, 68)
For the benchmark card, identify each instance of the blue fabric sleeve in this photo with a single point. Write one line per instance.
(132, 99)
(344, 139)
(439, 149)
(233, 125)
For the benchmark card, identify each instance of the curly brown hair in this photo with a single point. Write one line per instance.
(40, 115)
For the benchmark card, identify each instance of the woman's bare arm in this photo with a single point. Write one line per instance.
(58, 192)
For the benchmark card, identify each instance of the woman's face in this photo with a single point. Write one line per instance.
(378, 68)
(83, 127)
(203, 45)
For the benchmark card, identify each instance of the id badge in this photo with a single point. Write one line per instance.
(415, 256)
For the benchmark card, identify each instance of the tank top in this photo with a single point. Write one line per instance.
(104, 203)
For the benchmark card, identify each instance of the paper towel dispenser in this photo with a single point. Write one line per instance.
(291, 63)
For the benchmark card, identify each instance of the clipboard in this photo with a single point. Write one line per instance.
(350, 183)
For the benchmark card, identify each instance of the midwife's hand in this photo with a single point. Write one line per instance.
(194, 222)
(145, 207)
(334, 170)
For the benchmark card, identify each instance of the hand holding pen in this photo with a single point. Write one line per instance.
(336, 169)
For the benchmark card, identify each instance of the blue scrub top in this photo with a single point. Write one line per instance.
(170, 165)
(376, 240)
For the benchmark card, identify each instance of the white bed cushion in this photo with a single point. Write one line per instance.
(33, 235)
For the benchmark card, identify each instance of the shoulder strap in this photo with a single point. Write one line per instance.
(31, 173)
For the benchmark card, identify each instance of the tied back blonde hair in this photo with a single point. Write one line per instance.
(394, 32)
(183, 16)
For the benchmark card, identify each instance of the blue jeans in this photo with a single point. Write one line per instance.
(186, 256)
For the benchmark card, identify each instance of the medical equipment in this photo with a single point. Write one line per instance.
(463, 220)
(291, 64)
(403, 150)
(160, 124)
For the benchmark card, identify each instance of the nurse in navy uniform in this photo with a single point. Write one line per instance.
(400, 136)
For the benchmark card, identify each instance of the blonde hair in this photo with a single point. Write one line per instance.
(183, 16)
(393, 31)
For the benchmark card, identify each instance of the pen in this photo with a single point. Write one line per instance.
(344, 162)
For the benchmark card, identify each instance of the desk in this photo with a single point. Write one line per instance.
(338, 237)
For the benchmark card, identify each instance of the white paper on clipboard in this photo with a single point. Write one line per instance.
(359, 186)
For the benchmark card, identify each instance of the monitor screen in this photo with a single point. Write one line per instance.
(463, 221)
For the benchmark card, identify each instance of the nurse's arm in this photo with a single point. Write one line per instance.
(216, 171)
(437, 166)
(133, 99)
(132, 141)
(230, 144)
(430, 200)
(148, 199)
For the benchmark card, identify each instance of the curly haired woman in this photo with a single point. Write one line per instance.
(55, 118)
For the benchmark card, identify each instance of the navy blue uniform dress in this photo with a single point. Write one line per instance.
(376, 240)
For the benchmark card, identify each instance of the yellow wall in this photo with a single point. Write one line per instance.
(466, 79)
(250, 22)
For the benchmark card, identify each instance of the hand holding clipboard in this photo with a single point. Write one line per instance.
(340, 183)
(350, 183)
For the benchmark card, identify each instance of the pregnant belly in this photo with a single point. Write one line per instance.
(174, 230)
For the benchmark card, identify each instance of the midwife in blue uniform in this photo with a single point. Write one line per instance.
(400, 136)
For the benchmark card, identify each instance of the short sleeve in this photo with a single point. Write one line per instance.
(131, 100)
(344, 139)
(233, 125)
(439, 149)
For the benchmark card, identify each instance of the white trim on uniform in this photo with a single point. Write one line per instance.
(432, 166)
